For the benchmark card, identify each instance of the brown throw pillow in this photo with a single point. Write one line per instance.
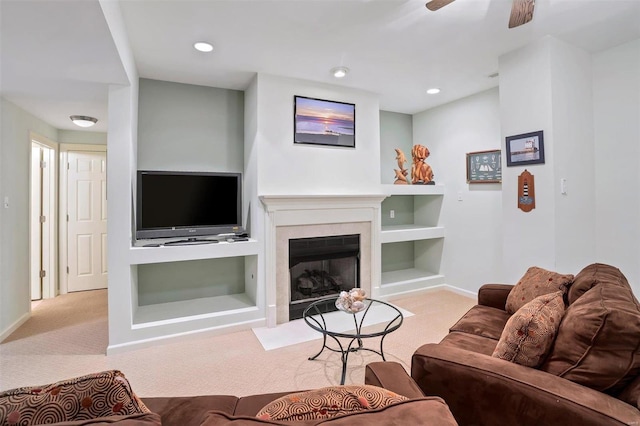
(529, 333)
(328, 402)
(536, 282)
(88, 397)
(593, 275)
(598, 341)
(419, 411)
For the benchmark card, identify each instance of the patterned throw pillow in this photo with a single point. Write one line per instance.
(529, 333)
(536, 282)
(88, 397)
(328, 402)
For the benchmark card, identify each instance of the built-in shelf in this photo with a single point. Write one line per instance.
(398, 233)
(192, 310)
(408, 280)
(413, 189)
(411, 238)
(177, 253)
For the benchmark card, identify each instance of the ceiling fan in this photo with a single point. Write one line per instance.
(521, 10)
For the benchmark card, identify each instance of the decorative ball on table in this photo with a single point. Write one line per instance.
(352, 301)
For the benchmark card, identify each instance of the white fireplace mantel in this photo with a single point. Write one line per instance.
(301, 216)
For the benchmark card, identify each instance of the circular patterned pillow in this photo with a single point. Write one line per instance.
(328, 402)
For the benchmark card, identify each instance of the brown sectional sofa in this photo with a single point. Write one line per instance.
(589, 378)
(231, 410)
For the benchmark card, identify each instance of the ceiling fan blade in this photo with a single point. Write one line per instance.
(437, 4)
(521, 12)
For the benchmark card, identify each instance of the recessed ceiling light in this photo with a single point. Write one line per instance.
(203, 46)
(83, 120)
(433, 91)
(339, 72)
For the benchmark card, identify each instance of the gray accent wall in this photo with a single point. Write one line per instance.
(396, 131)
(190, 128)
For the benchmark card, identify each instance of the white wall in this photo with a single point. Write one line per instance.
(82, 137)
(573, 153)
(472, 253)
(616, 93)
(14, 221)
(546, 86)
(526, 106)
(288, 168)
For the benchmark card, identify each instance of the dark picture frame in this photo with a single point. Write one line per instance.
(527, 148)
(324, 122)
(484, 166)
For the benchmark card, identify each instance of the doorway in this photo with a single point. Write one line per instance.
(42, 212)
(84, 199)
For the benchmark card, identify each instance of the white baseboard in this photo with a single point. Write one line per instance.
(181, 337)
(457, 290)
(13, 327)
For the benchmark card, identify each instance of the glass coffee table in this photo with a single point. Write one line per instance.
(377, 320)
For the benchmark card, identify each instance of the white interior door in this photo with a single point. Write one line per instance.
(87, 220)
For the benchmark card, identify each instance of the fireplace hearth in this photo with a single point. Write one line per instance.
(321, 267)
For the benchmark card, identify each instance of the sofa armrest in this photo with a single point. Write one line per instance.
(494, 295)
(480, 389)
(392, 376)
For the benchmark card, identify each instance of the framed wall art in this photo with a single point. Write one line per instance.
(527, 148)
(484, 167)
(322, 122)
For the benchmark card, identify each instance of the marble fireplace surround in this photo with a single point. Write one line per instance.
(290, 217)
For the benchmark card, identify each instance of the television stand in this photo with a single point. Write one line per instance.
(189, 242)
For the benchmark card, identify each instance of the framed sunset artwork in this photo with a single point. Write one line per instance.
(322, 122)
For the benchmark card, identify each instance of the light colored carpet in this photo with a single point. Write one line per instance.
(67, 337)
(298, 331)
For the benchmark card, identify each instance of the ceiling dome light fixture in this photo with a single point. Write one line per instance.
(203, 46)
(339, 72)
(433, 91)
(83, 120)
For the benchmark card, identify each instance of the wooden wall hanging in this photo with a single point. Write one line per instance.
(526, 192)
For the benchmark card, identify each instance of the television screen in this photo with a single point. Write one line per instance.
(188, 204)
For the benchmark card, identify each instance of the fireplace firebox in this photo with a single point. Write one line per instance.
(321, 267)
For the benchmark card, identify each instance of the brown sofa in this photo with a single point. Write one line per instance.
(590, 377)
(232, 410)
(106, 398)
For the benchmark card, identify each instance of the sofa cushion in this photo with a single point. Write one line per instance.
(189, 410)
(529, 333)
(631, 393)
(598, 342)
(328, 402)
(87, 397)
(420, 411)
(536, 282)
(592, 275)
(482, 321)
(470, 342)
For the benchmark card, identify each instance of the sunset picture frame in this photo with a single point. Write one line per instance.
(324, 122)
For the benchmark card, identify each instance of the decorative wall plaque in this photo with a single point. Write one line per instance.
(526, 192)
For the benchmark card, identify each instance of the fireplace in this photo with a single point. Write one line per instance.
(290, 217)
(321, 267)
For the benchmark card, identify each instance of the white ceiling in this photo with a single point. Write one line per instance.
(58, 56)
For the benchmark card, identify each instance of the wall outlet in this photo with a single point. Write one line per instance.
(392, 214)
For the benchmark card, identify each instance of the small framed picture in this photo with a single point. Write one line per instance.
(484, 167)
(322, 122)
(527, 148)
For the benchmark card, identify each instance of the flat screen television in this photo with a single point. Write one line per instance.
(188, 204)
